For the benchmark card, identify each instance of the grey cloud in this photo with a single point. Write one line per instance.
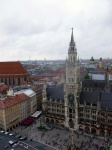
(23, 28)
(43, 30)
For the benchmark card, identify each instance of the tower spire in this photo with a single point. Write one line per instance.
(72, 46)
(72, 38)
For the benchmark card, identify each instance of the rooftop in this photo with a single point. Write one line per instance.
(89, 97)
(12, 100)
(56, 92)
(11, 68)
(3, 87)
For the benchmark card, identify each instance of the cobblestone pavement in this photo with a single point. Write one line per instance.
(61, 139)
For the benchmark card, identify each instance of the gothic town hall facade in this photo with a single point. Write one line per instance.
(79, 105)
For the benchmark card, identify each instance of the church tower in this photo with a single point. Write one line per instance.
(72, 86)
(100, 63)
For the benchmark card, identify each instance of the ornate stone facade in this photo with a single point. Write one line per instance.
(72, 86)
(85, 106)
(64, 109)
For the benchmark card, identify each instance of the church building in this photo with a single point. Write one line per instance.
(13, 73)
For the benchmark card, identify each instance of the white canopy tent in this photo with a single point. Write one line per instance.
(36, 114)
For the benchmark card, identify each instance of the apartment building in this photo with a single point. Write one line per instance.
(10, 115)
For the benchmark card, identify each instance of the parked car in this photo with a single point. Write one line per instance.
(23, 138)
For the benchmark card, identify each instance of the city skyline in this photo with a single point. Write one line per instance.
(42, 29)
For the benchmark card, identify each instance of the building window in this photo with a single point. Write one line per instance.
(25, 79)
(94, 111)
(102, 114)
(6, 81)
(88, 104)
(74, 58)
(9, 82)
(13, 81)
(18, 81)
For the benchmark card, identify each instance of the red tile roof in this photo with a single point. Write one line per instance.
(35, 77)
(110, 72)
(44, 80)
(12, 68)
(12, 100)
(35, 88)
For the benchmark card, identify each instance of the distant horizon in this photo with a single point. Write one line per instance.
(56, 59)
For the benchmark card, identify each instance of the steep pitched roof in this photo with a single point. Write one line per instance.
(100, 83)
(56, 92)
(89, 97)
(88, 83)
(12, 68)
(106, 101)
(94, 83)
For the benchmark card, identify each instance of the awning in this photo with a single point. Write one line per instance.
(36, 114)
(28, 121)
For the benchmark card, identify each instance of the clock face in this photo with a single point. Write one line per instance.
(71, 100)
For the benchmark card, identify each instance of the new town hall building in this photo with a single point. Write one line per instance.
(79, 105)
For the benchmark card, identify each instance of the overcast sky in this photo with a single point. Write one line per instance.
(41, 29)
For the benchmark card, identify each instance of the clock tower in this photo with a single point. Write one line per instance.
(72, 86)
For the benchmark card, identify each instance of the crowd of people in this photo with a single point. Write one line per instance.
(92, 143)
(81, 140)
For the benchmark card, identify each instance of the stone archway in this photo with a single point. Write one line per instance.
(13, 127)
(62, 124)
(93, 131)
(52, 121)
(57, 122)
(102, 132)
(108, 133)
(8, 130)
(87, 130)
(81, 128)
(71, 124)
(47, 119)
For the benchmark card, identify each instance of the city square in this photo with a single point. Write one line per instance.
(56, 75)
(62, 138)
